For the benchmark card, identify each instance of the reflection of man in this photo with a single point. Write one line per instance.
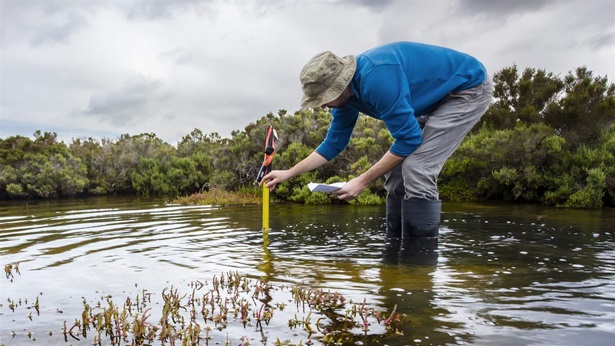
(406, 276)
(397, 83)
(421, 251)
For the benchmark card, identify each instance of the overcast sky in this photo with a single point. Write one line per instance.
(93, 68)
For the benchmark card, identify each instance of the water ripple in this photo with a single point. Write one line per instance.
(495, 272)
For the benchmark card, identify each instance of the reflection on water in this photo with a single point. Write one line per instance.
(499, 274)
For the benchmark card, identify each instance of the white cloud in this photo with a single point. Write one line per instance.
(103, 68)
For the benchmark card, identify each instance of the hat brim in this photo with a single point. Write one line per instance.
(337, 87)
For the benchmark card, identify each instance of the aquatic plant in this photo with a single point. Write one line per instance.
(11, 269)
(230, 300)
(229, 303)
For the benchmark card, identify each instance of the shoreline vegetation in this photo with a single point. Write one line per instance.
(545, 139)
(221, 197)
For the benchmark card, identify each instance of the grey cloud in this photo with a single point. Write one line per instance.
(122, 105)
(160, 9)
(178, 56)
(603, 40)
(501, 8)
(44, 22)
(52, 21)
(373, 4)
(59, 29)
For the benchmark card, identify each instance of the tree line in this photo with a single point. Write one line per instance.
(544, 139)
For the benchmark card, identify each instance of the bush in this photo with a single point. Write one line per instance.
(15, 190)
(591, 195)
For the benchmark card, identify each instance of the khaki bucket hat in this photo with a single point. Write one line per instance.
(324, 78)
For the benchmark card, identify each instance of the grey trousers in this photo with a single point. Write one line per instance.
(443, 131)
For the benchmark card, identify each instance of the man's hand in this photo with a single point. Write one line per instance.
(313, 161)
(273, 178)
(351, 189)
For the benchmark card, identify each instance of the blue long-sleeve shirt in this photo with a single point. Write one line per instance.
(396, 83)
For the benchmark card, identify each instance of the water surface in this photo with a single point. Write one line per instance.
(501, 274)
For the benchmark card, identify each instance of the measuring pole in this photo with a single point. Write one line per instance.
(266, 168)
(265, 208)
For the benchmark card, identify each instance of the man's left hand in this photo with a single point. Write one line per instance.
(351, 189)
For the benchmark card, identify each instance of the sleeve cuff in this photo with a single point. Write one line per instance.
(403, 149)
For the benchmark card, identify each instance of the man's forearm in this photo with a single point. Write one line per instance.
(384, 165)
(310, 163)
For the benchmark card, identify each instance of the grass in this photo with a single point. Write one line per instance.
(245, 196)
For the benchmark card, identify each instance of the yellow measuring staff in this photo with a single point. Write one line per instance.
(265, 208)
(266, 168)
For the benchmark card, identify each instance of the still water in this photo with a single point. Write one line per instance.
(501, 274)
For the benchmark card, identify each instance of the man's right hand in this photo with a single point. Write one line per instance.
(313, 161)
(273, 178)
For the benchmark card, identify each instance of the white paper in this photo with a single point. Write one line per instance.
(320, 187)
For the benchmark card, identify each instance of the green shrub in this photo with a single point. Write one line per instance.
(591, 195)
(15, 190)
